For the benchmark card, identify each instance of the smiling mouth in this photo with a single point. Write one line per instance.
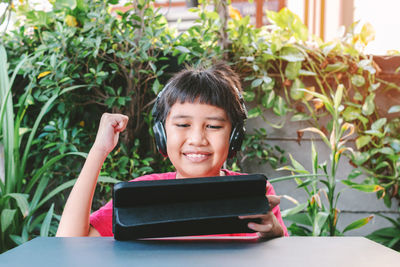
(196, 157)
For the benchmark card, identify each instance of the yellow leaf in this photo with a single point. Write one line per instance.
(316, 198)
(291, 199)
(71, 21)
(337, 154)
(332, 139)
(318, 104)
(335, 217)
(234, 13)
(82, 123)
(318, 131)
(378, 188)
(45, 73)
(367, 33)
(345, 127)
(307, 95)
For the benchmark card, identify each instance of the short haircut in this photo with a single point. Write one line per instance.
(218, 85)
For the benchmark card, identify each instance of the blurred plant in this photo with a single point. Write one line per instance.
(321, 218)
(21, 194)
(283, 65)
(255, 148)
(388, 236)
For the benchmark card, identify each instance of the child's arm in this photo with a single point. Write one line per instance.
(75, 218)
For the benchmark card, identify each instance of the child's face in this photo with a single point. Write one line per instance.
(197, 139)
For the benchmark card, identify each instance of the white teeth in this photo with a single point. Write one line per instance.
(196, 155)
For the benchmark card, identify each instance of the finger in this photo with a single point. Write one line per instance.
(273, 200)
(120, 122)
(262, 228)
(257, 216)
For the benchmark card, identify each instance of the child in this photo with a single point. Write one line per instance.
(199, 119)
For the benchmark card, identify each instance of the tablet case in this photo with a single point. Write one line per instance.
(181, 207)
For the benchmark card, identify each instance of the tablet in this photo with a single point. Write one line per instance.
(187, 207)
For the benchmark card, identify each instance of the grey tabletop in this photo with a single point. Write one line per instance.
(287, 251)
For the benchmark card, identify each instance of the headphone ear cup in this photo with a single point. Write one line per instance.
(160, 138)
(235, 142)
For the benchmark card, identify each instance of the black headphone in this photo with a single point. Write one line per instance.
(235, 141)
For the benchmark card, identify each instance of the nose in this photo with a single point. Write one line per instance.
(197, 137)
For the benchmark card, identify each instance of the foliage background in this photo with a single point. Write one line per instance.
(122, 60)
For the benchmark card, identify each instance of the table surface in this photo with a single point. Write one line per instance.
(285, 251)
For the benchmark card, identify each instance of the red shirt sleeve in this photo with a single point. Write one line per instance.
(101, 219)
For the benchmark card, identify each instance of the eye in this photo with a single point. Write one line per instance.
(182, 125)
(214, 126)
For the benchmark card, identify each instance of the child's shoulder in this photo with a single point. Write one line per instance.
(155, 176)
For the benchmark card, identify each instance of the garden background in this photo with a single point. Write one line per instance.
(323, 118)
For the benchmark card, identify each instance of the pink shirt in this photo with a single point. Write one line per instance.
(101, 219)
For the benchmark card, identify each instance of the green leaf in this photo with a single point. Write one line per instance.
(107, 179)
(386, 151)
(300, 117)
(292, 70)
(182, 49)
(306, 73)
(295, 93)
(368, 188)
(354, 174)
(22, 202)
(295, 210)
(280, 107)
(301, 218)
(357, 224)
(65, 4)
(256, 83)
(319, 222)
(7, 217)
(338, 96)
(253, 113)
(156, 87)
(369, 105)
(18, 240)
(394, 109)
(358, 80)
(47, 166)
(44, 110)
(377, 125)
(358, 97)
(362, 141)
(338, 66)
(291, 54)
(249, 96)
(314, 157)
(44, 229)
(360, 158)
(351, 113)
(296, 165)
(375, 133)
(268, 99)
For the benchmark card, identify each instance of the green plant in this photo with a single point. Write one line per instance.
(283, 71)
(256, 148)
(388, 236)
(21, 193)
(321, 218)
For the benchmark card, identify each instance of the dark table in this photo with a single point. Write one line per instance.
(287, 251)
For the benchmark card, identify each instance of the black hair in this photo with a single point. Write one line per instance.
(218, 85)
